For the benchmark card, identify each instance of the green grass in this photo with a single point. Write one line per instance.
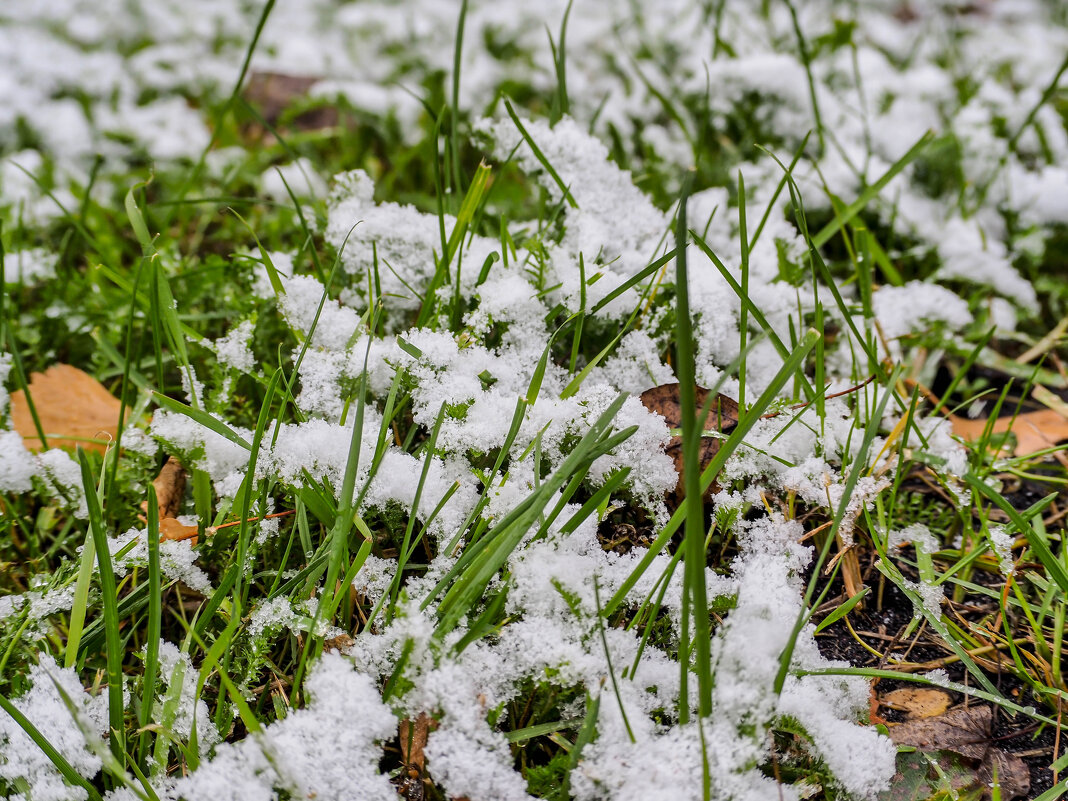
(158, 265)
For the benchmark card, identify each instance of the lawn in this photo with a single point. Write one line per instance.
(476, 401)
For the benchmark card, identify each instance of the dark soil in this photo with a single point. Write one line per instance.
(881, 625)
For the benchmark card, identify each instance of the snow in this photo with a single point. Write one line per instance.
(328, 749)
(28, 267)
(647, 98)
(176, 558)
(44, 707)
(181, 708)
(233, 349)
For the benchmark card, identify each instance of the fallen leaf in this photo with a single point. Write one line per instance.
(722, 416)
(171, 529)
(413, 739)
(342, 643)
(274, 92)
(917, 702)
(72, 406)
(170, 487)
(916, 778)
(873, 705)
(966, 731)
(1035, 431)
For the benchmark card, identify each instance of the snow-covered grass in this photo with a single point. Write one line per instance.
(399, 356)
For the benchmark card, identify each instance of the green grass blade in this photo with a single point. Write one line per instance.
(109, 593)
(1041, 548)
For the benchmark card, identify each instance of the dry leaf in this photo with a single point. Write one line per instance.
(170, 488)
(722, 417)
(342, 643)
(966, 731)
(73, 408)
(413, 739)
(1035, 431)
(171, 529)
(273, 92)
(917, 702)
(873, 705)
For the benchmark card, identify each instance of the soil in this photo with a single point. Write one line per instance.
(881, 625)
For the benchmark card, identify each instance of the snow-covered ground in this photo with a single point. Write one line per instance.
(126, 82)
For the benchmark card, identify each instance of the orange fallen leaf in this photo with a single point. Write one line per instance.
(171, 529)
(917, 702)
(873, 705)
(1035, 431)
(72, 406)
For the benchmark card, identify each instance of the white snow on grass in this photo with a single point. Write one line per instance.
(44, 707)
(650, 93)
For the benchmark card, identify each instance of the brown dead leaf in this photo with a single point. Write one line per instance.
(1035, 431)
(413, 739)
(170, 487)
(966, 731)
(73, 407)
(722, 417)
(342, 643)
(272, 93)
(917, 702)
(171, 529)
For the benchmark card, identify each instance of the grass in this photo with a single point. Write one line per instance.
(154, 268)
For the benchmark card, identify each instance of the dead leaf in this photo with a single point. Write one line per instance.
(170, 487)
(171, 529)
(722, 417)
(72, 406)
(413, 739)
(873, 705)
(966, 731)
(274, 92)
(342, 643)
(917, 702)
(1035, 431)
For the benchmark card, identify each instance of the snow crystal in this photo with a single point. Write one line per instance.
(233, 350)
(64, 476)
(374, 578)
(917, 535)
(397, 243)
(328, 749)
(17, 465)
(301, 178)
(276, 613)
(176, 558)
(902, 310)
(1001, 542)
(44, 707)
(178, 715)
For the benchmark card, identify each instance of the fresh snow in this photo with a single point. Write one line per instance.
(91, 78)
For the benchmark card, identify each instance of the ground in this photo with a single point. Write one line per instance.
(490, 401)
